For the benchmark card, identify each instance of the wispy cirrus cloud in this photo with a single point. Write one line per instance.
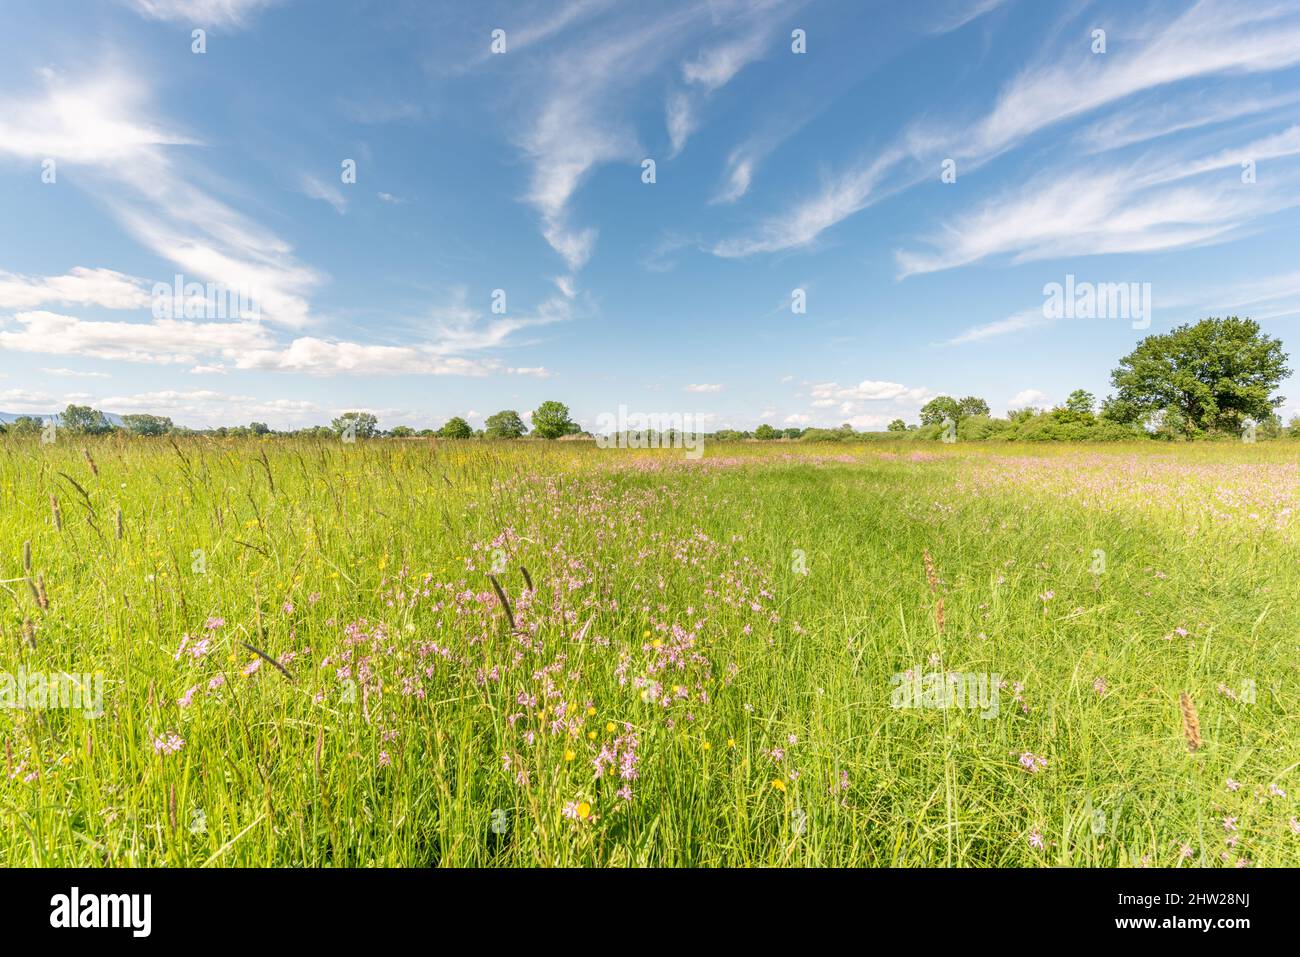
(1019, 322)
(1064, 80)
(202, 13)
(315, 188)
(101, 124)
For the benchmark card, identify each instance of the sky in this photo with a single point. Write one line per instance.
(801, 213)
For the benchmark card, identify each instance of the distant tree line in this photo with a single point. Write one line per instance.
(1212, 379)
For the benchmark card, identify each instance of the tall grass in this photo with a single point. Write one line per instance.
(718, 638)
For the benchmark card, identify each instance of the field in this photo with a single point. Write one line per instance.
(304, 659)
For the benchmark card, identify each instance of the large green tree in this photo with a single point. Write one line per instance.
(972, 405)
(940, 408)
(1210, 376)
(505, 424)
(143, 424)
(363, 425)
(551, 420)
(455, 428)
(83, 420)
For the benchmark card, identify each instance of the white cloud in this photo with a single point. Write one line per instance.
(1089, 212)
(316, 188)
(161, 341)
(323, 357)
(1028, 398)
(869, 391)
(22, 400)
(704, 387)
(100, 124)
(802, 224)
(74, 374)
(80, 286)
(202, 13)
(1211, 38)
(1020, 321)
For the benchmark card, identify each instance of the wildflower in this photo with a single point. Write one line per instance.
(1295, 826)
(384, 759)
(731, 742)
(1229, 824)
(1047, 595)
(778, 784)
(1099, 686)
(214, 623)
(1234, 785)
(1276, 791)
(1032, 763)
(252, 667)
(569, 755)
(609, 727)
(1036, 839)
(168, 745)
(187, 699)
(706, 746)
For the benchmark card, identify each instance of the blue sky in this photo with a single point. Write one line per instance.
(522, 171)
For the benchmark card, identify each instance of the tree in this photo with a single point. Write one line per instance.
(898, 425)
(1120, 411)
(505, 424)
(1078, 408)
(1214, 375)
(1081, 402)
(362, 425)
(259, 428)
(551, 420)
(455, 428)
(83, 420)
(792, 433)
(971, 405)
(147, 424)
(402, 432)
(940, 408)
(766, 433)
(26, 425)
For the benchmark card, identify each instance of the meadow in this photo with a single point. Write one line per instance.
(440, 653)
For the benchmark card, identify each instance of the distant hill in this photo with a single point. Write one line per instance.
(46, 416)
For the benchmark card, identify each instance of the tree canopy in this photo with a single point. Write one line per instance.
(83, 420)
(505, 424)
(551, 420)
(1210, 376)
(455, 428)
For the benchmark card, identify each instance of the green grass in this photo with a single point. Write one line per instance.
(643, 561)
